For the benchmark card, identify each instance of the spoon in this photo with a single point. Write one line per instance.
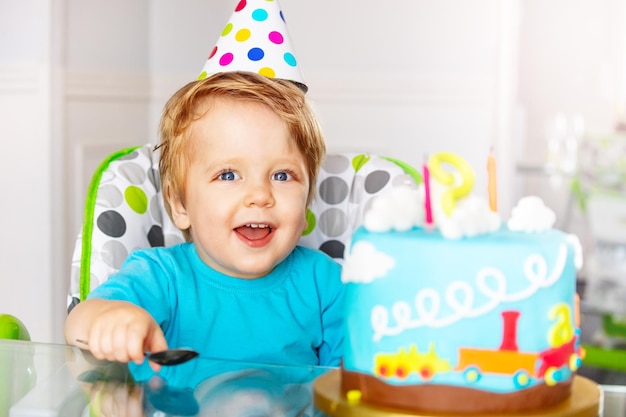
(165, 357)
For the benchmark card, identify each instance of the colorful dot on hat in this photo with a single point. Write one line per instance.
(240, 6)
(226, 59)
(227, 29)
(267, 72)
(213, 52)
(276, 37)
(255, 39)
(242, 35)
(259, 15)
(290, 59)
(256, 54)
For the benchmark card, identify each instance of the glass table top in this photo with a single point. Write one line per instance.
(57, 380)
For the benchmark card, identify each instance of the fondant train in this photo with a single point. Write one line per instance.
(551, 364)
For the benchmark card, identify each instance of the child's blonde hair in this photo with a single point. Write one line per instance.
(187, 105)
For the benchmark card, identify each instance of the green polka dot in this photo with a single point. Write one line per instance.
(227, 29)
(136, 199)
(360, 160)
(311, 221)
(202, 76)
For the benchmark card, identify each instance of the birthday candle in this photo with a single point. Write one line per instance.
(491, 171)
(427, 203)
(455, 189)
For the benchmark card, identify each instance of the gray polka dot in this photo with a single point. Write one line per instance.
(333, 222)
(333, 248)
(376, 180)
(94, 281)
(111, 223)
(356, 193)
(155, 236)
(133, 172)
(107, 176)
(129, 157)
(336, 164)
(110, 196)
(333, 190)
(368, 204)
(114, 253)
(74, 303)
(404, 179)
(171, 239)
(155, 209)
(155, 178)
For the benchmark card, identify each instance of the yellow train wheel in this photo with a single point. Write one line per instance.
(552, 376)
(472, 374)
(521, 379)
(574, 362)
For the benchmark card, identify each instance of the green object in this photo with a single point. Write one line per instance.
(598, 357)
(90, 203)
(408, 169)
(17, 373)
(310, 221)
(360, 160)
(613, 326)
(580, 194)
(136, 199)
(12, 328)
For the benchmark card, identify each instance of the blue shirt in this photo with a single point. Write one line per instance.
(294, 315)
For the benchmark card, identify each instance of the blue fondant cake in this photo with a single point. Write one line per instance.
(449, 318)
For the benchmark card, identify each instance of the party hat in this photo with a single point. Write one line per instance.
(255, 40)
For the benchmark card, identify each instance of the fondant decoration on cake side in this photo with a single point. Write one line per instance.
(472, 308)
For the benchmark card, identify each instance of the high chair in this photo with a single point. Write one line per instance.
(124, 210)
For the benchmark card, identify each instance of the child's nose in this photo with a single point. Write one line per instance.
(259, 193)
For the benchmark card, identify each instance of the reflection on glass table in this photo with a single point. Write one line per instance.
(58, 380)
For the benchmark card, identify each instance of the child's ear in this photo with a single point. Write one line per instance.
(179, 213)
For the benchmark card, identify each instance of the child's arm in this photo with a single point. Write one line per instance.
(115, 330)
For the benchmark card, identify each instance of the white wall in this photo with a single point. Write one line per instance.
(401, 78)
(26, 171)
(572, 55)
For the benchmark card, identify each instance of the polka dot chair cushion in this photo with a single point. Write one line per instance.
(124, 210)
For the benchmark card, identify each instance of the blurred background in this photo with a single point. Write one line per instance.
(541, 82)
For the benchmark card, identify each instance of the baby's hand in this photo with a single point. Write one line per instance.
(118, 330)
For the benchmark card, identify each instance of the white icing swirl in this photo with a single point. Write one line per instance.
(460, 297)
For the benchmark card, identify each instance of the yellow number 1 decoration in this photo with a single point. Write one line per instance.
(455, 191)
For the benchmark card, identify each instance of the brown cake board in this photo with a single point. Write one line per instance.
(583, 402)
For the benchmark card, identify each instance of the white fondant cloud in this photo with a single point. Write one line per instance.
(472, 216)
(531, 215)
(364, 264)
(399, 209)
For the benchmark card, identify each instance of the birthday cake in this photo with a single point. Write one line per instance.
(450, 309)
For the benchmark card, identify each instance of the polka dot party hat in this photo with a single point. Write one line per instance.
(255, 40)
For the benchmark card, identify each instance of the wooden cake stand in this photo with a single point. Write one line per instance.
(583, 402)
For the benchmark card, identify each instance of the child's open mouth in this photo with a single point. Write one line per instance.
(254, 231)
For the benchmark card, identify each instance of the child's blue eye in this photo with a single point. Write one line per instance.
(228, 176)
(282, 176)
